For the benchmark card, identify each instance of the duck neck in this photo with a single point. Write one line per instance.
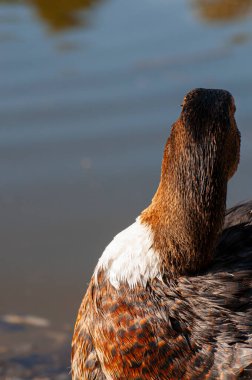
(187, 212)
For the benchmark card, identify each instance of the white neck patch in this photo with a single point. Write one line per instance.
(130, 258)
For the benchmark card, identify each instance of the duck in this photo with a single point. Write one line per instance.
(171, 295)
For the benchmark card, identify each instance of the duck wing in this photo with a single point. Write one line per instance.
(239, 214)
(184, 330)
(140, 333)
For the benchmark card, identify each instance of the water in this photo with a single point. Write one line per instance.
(88, 91)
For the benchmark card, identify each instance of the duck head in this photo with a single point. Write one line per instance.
(201, 154)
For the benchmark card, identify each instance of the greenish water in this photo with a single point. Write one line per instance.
(88, 91)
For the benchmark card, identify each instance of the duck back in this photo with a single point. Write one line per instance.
(192, 327)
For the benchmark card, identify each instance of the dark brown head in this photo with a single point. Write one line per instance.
(206, 128)
(209, 114)
(200, 155)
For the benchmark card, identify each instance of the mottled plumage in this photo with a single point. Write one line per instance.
(169, 314)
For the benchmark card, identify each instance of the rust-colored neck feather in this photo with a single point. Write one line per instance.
(187, 212)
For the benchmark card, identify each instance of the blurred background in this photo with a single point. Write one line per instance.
(88, 92)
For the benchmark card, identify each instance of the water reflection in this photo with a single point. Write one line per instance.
(60, 14)
(222, 10)
(63, 14)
